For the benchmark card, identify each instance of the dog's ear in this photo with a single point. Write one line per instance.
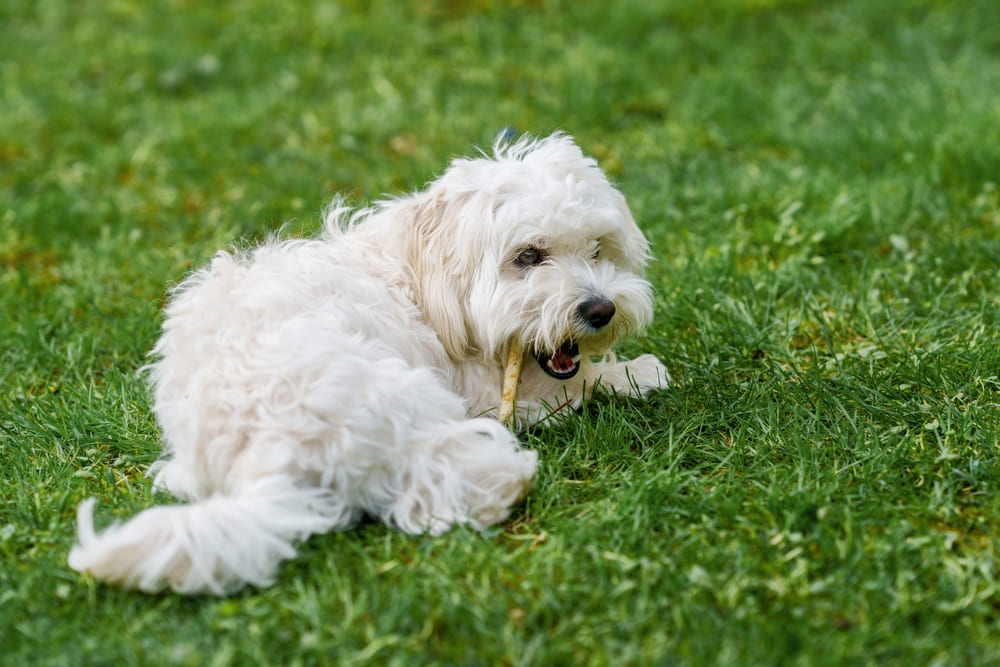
(635, 244)
(441, 282)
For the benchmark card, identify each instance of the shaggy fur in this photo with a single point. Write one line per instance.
(307, 383)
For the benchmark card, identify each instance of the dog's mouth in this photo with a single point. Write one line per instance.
(563, 364)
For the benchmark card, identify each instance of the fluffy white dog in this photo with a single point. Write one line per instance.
(310, 382)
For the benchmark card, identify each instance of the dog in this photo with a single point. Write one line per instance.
(308, 383)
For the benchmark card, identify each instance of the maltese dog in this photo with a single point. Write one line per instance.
(307, 383)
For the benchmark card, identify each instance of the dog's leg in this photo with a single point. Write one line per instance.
(467, 472)
(542, 398)
(639, 377)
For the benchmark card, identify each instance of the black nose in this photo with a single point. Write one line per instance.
(596, 312)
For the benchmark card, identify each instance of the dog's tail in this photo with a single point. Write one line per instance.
(216, 545)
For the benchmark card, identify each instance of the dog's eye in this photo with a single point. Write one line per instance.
(530, 257)
(597, 252)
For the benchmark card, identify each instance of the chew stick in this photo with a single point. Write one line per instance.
(511, 378)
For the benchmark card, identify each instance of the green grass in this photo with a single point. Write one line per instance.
(819, 181)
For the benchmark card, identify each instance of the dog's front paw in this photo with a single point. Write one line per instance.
(647, 374)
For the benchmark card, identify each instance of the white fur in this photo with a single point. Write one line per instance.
(306, 383)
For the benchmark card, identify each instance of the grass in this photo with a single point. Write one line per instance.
(819, 181)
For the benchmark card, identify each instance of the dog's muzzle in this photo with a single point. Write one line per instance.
(563, 364)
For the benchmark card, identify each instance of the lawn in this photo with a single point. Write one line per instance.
(820, 182)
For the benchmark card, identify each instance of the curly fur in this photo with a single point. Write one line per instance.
(306, 383)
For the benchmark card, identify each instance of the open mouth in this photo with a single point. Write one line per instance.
(563, 364)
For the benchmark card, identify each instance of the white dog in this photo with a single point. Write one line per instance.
(310, 382)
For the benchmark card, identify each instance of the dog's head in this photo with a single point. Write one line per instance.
(531, 243)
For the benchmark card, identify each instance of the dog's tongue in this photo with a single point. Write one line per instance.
(562, 360)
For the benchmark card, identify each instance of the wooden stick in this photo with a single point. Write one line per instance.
(511, 378)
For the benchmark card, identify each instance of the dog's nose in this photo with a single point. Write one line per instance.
(596, 312)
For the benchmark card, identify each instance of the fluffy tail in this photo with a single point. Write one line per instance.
(216, 545)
